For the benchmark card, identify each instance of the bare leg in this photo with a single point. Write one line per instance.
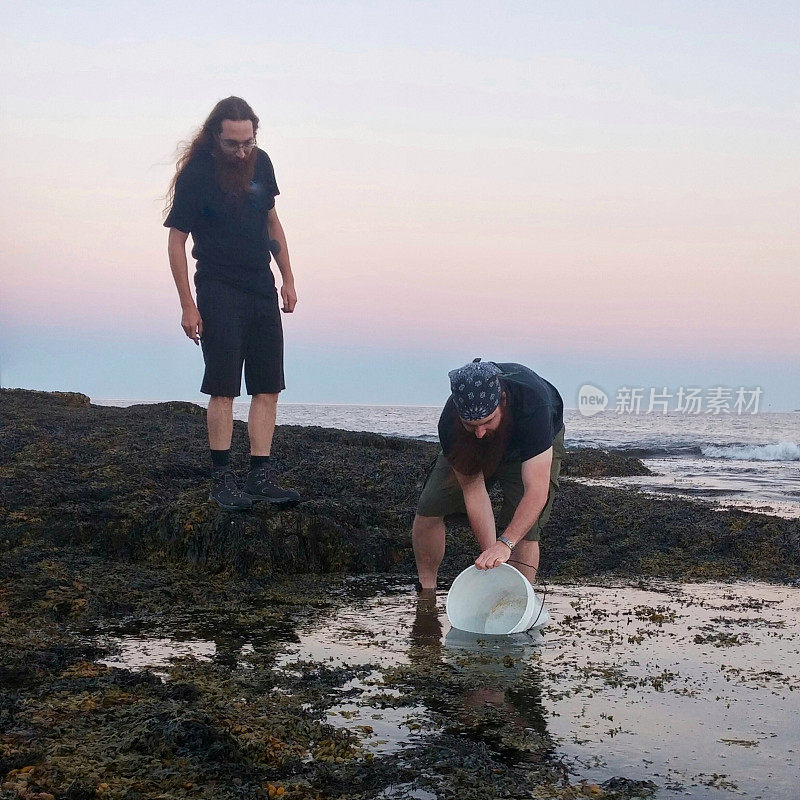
(220, 422)
(427, 537)
(261, 423)
(527, 552)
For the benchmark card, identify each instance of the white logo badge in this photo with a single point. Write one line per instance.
(591, 400)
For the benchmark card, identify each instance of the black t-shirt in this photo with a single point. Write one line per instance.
(231, 242)
(536, 407)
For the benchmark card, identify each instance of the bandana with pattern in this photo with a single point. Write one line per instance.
(475, 389)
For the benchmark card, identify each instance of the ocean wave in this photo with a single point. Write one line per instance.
(783, 451)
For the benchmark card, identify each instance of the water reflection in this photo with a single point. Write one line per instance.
(684, 685)
(498, 675)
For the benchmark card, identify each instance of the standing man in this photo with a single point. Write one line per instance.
(223, 193)
(502, 423)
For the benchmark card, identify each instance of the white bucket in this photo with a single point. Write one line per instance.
(497, 601)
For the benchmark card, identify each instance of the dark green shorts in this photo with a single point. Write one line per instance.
(442, 495)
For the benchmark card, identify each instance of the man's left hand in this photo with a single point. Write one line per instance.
(493, 556)
(289, 297)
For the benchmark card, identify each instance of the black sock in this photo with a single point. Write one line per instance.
(220, 458)
(258, 461)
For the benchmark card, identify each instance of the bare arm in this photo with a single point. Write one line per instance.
(536, 480)
(191, 322)
(536, 483)
(479, 508)
(281, 253)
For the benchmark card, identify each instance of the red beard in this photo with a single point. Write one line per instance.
(470, 455)
(234, 174)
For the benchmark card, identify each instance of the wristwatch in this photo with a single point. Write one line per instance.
(506, 541)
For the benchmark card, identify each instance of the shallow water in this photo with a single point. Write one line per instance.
(692, 686)
(695, 687)
(132, 652)
(770, 487)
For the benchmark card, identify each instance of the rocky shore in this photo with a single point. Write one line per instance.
(131, 484)
(105, 526)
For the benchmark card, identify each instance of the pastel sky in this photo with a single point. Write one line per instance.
(605, 191)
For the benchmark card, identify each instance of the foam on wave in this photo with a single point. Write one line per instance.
(783, 451)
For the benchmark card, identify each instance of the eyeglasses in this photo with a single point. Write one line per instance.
(232, 146)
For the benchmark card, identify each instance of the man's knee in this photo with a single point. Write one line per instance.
(527, 546)
(267, 399)
(526, 558)
(423, 525)
(220, 400)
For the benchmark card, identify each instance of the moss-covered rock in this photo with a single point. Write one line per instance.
(132, 483)
(586, 462)
(106, 531)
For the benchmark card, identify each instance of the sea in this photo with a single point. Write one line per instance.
(747, 461)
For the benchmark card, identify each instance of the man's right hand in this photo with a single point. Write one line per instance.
(192, 324)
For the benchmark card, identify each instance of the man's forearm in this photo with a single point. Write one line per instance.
(480, 514)
(280, 250)
(180, 271)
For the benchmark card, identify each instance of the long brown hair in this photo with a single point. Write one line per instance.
(233, 108)
(470, 455)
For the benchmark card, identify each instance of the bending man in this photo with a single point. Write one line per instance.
(503, 423)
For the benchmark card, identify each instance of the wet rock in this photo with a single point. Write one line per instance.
(131, 484)
(586, 462)
(34, 398)
(15, 755)
(25, 667)
(322, 675)
(626, 787)
(179, 406)
(186, 692)
(165, 736)
(80, 790)
(603, 530)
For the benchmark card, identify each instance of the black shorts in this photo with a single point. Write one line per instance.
(240, 329)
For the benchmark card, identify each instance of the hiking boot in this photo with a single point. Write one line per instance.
(225, 491)
(262, 484)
